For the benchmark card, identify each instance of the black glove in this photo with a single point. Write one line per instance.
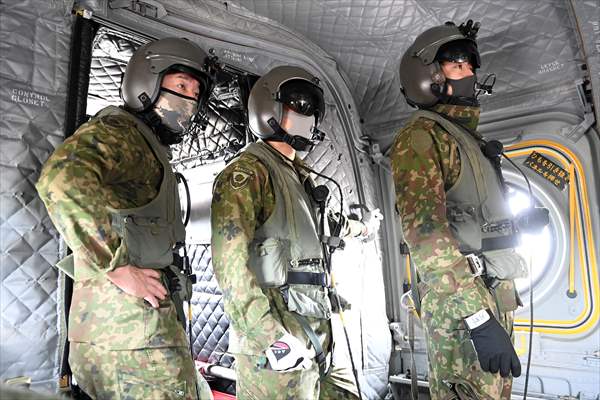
(346, 305)
(493, 345)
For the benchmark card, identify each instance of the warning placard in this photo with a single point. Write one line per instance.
(548, 169)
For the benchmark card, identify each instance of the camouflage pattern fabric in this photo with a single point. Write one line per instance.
(259, 383)
(161, 373)
(21, 393)
(425, 164)
(243, 200)
(106, 162)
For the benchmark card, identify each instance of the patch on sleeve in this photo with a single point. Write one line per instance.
(421, 141)
(240, 177)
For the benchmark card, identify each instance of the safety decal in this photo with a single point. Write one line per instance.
(547, 169)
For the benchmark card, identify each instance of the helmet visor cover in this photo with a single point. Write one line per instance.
(302, 97)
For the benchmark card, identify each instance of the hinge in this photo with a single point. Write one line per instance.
(398, 334)
(374, 151)
(146, 8)
(576, 132)
(82, 12)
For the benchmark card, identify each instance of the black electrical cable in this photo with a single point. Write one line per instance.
(186, 265)
(188, 211)
(524, 176)
(531, 202)
(188, 273)
(338, 226)
(530, 334)
(336, 231)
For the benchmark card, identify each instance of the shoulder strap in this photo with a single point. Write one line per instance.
(464, 140)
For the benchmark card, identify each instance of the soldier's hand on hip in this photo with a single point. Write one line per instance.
(493, 345)
(139, 282)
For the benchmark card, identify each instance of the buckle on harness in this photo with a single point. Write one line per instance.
(475, 264)
(333, 241)
(295, 263)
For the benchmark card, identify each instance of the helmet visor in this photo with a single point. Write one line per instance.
(302, 97)
(459, 51)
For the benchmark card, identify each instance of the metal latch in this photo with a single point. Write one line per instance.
(475, 264)
(146, 8)
(576, 132)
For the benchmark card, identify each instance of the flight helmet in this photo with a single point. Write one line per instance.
(423, 82)
(294, 88)
(141, 84)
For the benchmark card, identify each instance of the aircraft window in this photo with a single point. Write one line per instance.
(223, 133)
(217, 138)
(536, 248)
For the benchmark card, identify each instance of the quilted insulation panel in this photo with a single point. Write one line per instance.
(34, 43)
(532, 47)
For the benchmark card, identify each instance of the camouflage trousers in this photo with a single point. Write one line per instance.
(150, 373)
(454, 370)
(259, 383)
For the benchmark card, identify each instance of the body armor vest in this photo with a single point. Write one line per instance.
(153, 231)
(476, 207)
(286, 252)
(150, 232)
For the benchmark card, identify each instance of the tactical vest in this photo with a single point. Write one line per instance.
(476, 207)
(153, 231)
(286, 252)
(150, 232)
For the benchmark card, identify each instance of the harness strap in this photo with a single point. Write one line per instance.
(414, 290)
(314, 340)
(307, 278)
(499, 243)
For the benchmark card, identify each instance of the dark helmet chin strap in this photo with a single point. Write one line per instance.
(441, 92)
(298, 143)
(152, 119)
(485, 87)
(165, 135)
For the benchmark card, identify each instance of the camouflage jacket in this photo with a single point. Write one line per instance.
(243, 199)
(425, 164)
(107, 162)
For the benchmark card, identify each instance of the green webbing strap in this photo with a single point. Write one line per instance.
(414, 385)
(414, 290)
(314, 340)
(416, 298)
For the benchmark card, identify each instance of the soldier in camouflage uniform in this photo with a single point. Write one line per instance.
(267, 255)
(112, 194)
(456, 221)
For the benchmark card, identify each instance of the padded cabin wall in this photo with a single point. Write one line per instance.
(34, 62)
(587, 19)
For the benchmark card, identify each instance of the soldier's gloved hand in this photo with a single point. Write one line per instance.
(371, 220)
(288, 354)
(493, 345)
